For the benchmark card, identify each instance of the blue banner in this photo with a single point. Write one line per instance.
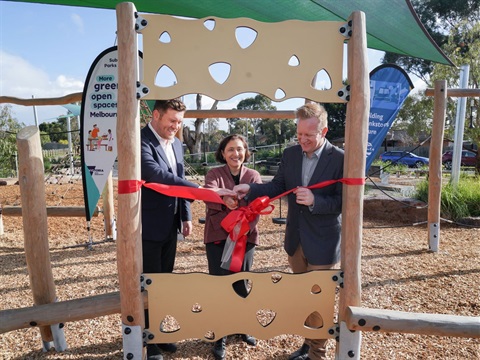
(389, 87)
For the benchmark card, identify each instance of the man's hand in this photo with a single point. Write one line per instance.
(224, 192)
(304, 196)
(187, 228)
(241, 190)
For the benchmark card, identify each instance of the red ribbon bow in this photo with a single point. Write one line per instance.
(237, 224)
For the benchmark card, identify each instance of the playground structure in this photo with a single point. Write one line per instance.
(132, 300)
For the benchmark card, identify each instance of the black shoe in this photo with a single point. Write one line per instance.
(303, 351)
(153, 352)
(168, 347)
(302, 357)
(219, 349)
(250, 340)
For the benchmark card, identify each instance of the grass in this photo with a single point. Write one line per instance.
(460, 201)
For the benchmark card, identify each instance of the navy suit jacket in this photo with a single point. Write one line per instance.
(157, 209)
(317, 230)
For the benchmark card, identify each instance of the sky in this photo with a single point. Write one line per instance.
(47, 50)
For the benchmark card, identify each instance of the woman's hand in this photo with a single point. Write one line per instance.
(231, 202)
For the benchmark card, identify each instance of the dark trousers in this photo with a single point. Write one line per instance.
(214, 257)
(159, 256)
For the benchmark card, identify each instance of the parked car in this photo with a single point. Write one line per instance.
(404, 157)
(469, 158)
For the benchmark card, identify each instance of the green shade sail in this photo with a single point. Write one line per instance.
(392, 25)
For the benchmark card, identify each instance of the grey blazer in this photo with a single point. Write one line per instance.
(317, 230)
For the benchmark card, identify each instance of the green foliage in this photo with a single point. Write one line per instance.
(266, 153)
(266, 131)
(57, 131)
(458, 201)
(337, 113)
(47, 165)
(439, 18)
(415, 116)
(9, 126)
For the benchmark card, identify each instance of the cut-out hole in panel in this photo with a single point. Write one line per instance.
(294, 61)
(196, 308)
(322, 81)
(220, 71)
(276, 277)
(165, 77)
(209, 335)
(209, 24)
(165, 37)
(245, 36)
(279, 94)
(242, 287)
(265, 317)
(314, 321)
(316, 289)
(169, 324)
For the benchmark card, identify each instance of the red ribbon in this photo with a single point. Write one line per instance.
(129, 186)
(236, 223)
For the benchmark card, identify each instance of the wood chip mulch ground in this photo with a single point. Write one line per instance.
(398, 273)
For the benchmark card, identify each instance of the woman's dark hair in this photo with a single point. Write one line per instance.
(223, 144)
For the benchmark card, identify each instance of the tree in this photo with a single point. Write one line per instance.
(464, 46)
(439, 17)
(58, 130)
(244, 127)
(193, 140)
(337, 113)
(261, 129)
(9, 126)
(415, 116)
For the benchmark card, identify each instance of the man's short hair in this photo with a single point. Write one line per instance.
(163, 105)
(312, 110)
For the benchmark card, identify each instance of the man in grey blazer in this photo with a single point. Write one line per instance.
(313, 230)
(162, 216)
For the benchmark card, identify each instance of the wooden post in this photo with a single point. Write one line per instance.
(35, 229)
(356, 135)
(108, 209)
(435, 167)
(129, 243)
(1, 221)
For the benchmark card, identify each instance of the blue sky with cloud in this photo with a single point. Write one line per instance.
(47, 50)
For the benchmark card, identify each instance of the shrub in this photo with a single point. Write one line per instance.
(458, 201)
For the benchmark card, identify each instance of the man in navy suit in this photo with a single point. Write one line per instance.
(163, 216)
(313, 230)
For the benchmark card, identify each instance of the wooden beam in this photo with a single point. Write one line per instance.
(366, 319)
(56, 211)
(456, 92)
(67, 99)
(202, 114)
(245, 114)
(63, 311)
